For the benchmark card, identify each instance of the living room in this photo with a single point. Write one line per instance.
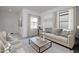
(55, 26)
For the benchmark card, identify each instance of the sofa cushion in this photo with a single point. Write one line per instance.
(56, 31)
(48, 30)
(64, 33)
(63, 39)
(56, 37)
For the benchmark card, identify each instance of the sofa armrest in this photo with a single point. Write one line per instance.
(71, 40)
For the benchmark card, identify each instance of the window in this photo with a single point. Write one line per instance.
(64, 20)
(34, 22)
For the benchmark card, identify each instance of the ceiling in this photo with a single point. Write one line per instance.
(38, 9)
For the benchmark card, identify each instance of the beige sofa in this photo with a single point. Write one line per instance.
(65, 41)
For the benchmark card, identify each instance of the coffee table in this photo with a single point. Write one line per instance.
(39, 44)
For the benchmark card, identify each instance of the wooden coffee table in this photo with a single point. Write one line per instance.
(39, 44)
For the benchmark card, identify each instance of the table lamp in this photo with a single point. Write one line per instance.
(77, 32)
(78, 27)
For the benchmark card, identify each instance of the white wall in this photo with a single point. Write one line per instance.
(26, 25)
(52, 17)
(9, 22)
(77, 15)
(1, 22)
(60, 8)
(47, 20)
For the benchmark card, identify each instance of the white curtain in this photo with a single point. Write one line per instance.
(71, 19)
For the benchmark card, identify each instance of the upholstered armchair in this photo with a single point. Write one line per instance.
(10, 44)
(4, 44)
(16, 44)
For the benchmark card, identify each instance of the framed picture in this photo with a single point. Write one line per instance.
(20, 22)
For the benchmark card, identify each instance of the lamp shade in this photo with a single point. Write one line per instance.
(78, 27)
